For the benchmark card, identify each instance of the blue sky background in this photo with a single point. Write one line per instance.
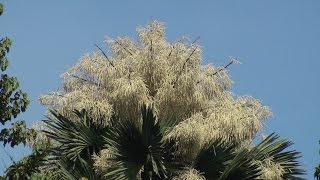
(278, 43)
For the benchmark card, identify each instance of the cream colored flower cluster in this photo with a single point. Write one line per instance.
(168, 76)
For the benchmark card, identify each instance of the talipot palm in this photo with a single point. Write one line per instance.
(141, 149)
(192, 116)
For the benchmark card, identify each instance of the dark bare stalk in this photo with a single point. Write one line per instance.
(184, 64)
(151, 50)
(170, 53)
(221, 69)
(193, 42)
(124, 47)
(85, 80)
(52, 94)
(104, 54)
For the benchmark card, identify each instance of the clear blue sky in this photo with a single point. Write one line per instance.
(278, 43)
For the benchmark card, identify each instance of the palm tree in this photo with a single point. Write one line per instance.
(142, 150)
(145, 149)
(195, 116)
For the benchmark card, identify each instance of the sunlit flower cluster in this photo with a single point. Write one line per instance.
(168, 76)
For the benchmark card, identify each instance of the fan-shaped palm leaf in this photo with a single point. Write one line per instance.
(221, 161)
(75, 137)
(75, 143)
(70, 170)
(140, 148)
(275, 148)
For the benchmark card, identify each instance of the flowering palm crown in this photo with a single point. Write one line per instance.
(170, 78)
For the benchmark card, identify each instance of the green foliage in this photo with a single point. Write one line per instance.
(221, 161)
(141, 150)
(218, 160)
(317, 173)
(75, 138)
(135, 147)
(275, 148)
(28, 167)
(1, 9)
(75, 170)
(4, 49)
(12, 101)
(18, 133)
(75, 141)
(195, 129)
(68, 154)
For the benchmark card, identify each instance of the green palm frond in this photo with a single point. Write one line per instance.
(75, 141)
(241, 167)
(140, 148)
(75, 137)
(70, 170)
(275, 148)
(218, 160)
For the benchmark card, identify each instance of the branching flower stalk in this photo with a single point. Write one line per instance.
(168, 77)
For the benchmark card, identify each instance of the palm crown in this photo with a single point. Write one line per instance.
(142, 149)
(191, 126)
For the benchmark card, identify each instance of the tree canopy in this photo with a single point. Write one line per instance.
(192, 107)
(13, 101)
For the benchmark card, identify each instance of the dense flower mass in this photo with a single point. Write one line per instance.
(168, 75)
(170, 78)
